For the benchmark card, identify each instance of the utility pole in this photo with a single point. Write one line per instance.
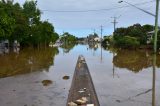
(114, 23)
(156, 26)
(101, 32)
(94, 31)
(155, 51)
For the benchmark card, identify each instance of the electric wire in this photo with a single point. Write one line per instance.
(96, 10)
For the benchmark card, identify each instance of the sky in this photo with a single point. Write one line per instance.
(61, 13)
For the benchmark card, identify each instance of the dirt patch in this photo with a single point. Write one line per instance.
(66, 77)
(46, 82)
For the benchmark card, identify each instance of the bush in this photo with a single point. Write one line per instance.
(127, 42)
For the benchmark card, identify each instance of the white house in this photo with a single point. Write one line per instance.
(150, 36)
(97, 39)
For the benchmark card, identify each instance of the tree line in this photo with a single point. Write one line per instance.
(23, 23)
(68, 38)
(133, 36)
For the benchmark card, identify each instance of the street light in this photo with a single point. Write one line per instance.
(156, 20)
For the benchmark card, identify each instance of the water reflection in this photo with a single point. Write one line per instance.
(132, 60)
(4, 50)
(154, 80)
(125, 89)
(68, 47)
(136, 61)
(28, 60)
(94, 46)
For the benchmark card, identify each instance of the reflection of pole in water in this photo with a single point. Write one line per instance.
(93, 52)
(113, 66)
(101, 53)
(153, 80)
(63, 52)
(101, 40)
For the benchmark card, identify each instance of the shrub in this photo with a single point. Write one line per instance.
(127, 42)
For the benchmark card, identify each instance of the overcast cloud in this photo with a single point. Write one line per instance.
(83, 23)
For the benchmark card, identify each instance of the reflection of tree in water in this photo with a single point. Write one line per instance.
(28, 60)
(68, 47)
(158, 60)
(93, 46)
(132, 60)
(110, 48)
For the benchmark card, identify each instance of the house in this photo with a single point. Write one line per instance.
(4, 43)
(150, 36)
(97, 39)
(16, 44)
(91, 37)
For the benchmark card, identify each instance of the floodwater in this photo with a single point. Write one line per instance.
(121, 77)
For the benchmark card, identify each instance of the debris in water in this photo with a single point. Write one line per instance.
(66, 77)
(90, 104)
(85, 89)
(82, 101)
(72, 104)
(89, 94)
(118, 101)
(46, 82)
(81, 91)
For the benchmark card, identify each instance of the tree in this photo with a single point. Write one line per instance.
(133, 35)
(127, 42)
(69, 38)
(148, 27)
(6, 21)
(24, 24)
(32, 12)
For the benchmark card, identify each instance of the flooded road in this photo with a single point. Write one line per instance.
(121, 77)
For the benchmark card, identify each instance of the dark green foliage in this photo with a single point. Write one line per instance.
(68, 38)
(132, 36)
(127, 42)
(32, 12)
(148, 28)
(69, 41)
(107, 40)
(6, 21)
(24, 25)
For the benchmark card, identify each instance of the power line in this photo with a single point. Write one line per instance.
(95, 10)
(140, 8)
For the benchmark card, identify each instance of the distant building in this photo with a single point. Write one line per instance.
(150, 36)
(16, 44)
(97, 39)
(93, 37)
(4, 43)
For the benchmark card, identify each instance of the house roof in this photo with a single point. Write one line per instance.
(151, 32)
